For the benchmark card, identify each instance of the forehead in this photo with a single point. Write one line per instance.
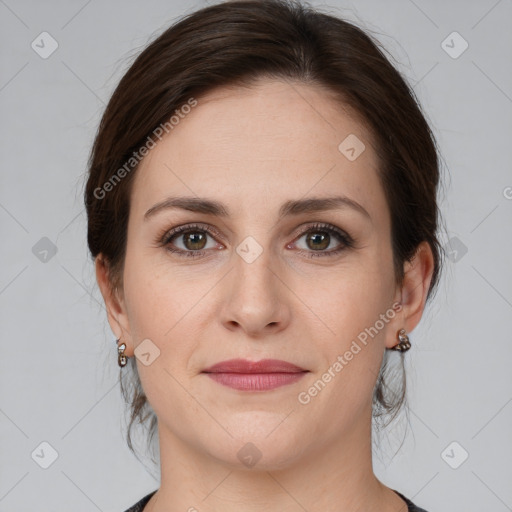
(254, 146)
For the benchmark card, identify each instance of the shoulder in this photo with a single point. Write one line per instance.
(139, 506)
(411, 507)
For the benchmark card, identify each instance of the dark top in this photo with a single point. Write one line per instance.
(139, 506)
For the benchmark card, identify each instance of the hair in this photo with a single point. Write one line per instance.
(236, 43)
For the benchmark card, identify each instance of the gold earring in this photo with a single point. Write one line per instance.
(404, 343)
(121, 358)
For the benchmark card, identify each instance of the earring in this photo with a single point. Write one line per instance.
(404, 343)
(121, 358)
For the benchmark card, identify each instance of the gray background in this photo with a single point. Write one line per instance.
(58, 368)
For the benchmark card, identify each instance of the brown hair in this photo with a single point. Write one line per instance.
(235, 43)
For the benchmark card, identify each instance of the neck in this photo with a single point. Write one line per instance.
(336, 475)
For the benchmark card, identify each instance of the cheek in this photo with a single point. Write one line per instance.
(153, 303)
(163, 306)
(352, 298)
(357, 312)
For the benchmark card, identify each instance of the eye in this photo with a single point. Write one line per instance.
(193, 238)
(320, 236)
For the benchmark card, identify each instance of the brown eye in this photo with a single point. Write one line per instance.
(189, 240)
(194, 241)
(318, 240)
(320, 236)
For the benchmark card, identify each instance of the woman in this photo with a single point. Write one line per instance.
(262, 213)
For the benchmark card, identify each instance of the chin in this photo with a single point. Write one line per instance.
(257, 446)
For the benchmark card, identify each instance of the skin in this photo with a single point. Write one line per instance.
(254, 149)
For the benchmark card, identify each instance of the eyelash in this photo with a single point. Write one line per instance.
(165, 239)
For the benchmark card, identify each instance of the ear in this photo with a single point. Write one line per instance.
(412, 296)
(115, 305)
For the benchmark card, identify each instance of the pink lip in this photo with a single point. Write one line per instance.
(255, 376)
(245, 366)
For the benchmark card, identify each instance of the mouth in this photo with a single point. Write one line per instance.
(261, 375)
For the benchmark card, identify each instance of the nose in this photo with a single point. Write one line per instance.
(255, 297)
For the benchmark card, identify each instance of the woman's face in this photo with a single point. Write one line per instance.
(260, 285)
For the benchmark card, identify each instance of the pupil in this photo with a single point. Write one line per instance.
(317, 239)
(320, 238)
(195, 239)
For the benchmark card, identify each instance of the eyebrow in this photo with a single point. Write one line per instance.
(292, 207)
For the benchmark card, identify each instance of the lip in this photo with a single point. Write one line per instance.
(246, 366)
(261, 375)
